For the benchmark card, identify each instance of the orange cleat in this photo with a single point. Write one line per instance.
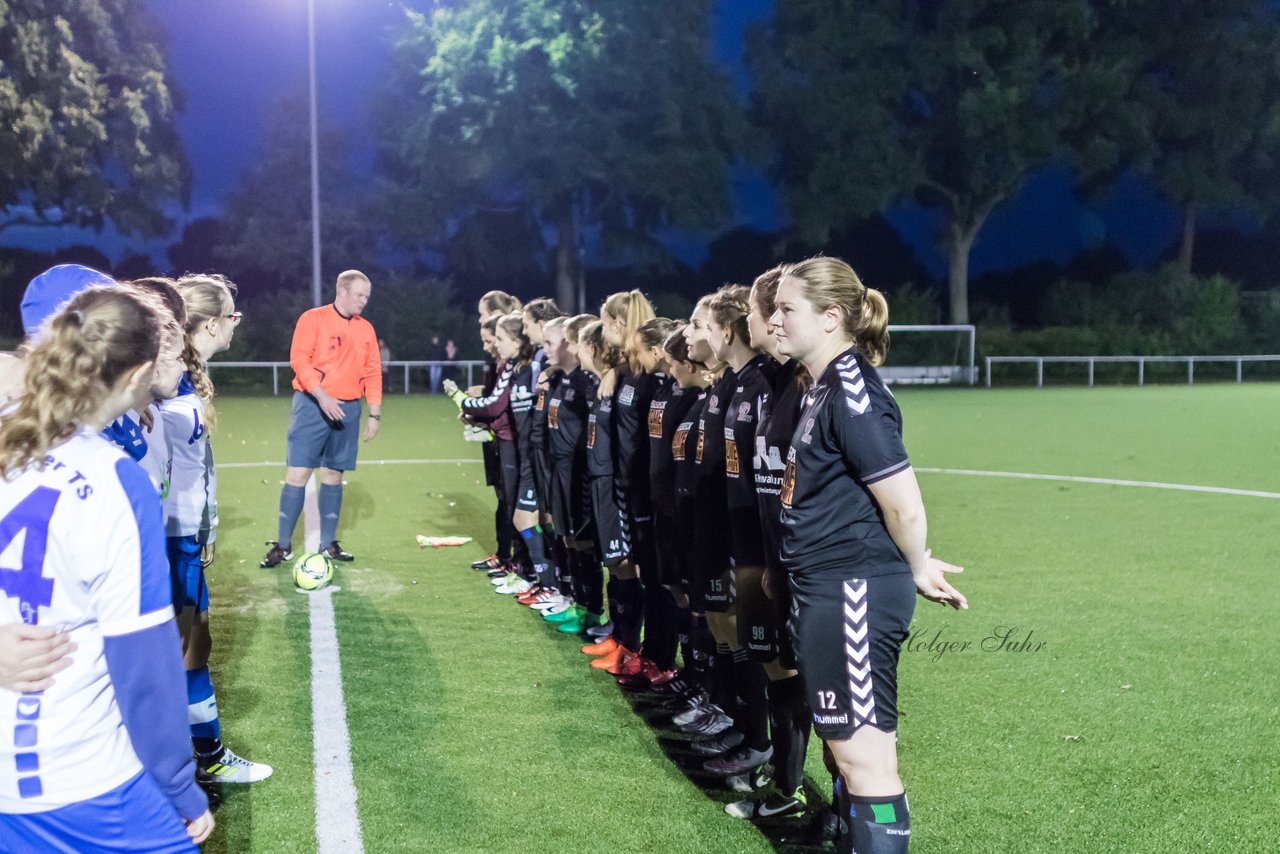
(610, 660)
(600, 647)
(625, 657)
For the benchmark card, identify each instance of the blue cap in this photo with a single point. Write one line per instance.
(48, 291)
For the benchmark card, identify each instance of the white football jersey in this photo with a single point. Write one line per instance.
(186, 507)
(81, 549)
(157, 461)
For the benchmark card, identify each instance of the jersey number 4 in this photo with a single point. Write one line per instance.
(28, 584)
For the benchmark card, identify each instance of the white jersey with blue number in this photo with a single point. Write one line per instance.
(81, 549)
(157, 460)
(188, 506)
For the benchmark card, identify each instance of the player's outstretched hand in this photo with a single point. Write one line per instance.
(932, 584)
(200, 828)
(31, 655)
(450, 388)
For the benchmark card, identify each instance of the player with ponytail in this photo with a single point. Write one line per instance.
(853, 541)
(191, 514)
(101, 759)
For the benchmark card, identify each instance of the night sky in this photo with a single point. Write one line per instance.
(235, 59)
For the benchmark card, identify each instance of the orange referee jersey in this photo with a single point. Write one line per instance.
(339, 354)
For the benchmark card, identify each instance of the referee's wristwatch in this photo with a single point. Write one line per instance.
(375, 417)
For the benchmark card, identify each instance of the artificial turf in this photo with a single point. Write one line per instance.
(1142, 722)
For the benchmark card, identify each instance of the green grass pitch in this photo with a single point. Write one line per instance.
(1145, 720)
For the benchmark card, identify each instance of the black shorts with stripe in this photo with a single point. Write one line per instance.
(612, 542)
(848, 632)
(567, 497)
(758, 624)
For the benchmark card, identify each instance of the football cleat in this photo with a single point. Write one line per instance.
(225, 767)
(276, 555)
(710, 723)
(740, 760)
(506, 578)
(752, 781)
(601, 631)
(490, 562)
(532, 596)
(333, 551)
(698, 706)
(777, 805)
(600, 647)
(714, 745)
(515, 584)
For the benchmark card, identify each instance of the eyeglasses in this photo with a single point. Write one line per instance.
(236, 316)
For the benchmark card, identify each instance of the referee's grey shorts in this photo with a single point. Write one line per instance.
(316, 441)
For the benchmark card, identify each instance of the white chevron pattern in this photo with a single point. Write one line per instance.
(856, 396)
(857, 652)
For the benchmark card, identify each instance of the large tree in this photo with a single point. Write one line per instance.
(605, 119)
(947, 104)
(87, 107)
(265, 239)
(1211, 87)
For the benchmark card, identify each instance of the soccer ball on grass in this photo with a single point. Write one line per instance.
(312, 572)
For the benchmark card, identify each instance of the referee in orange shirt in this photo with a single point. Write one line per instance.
(335, 361)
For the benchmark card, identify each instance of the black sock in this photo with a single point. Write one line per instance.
(704, 651)
(612, 590)
(659, 626)
(684, 634)
(752, 716)
(879, 825)
(789, 731)
(207, 748)
(630, 614)
(722, 687)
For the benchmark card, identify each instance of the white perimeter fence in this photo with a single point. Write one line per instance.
(1140, 361)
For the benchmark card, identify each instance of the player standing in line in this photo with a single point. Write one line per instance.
(621, 317)
(691, 376)
(335, 361)
(712, 548)
(588, 577)
(512, 400)
(667, 406)
(546, 591)
(568, 404)
(853, 541)
(101, 759)
(493, 305)
(763, 602)
(191, 516)
(613, 544)
(747, 745)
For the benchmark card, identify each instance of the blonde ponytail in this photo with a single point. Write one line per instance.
(98, 337)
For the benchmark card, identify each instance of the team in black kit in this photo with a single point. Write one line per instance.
(741, 481)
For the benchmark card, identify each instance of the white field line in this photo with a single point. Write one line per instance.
(279, 465)
(337, 822)
(1106, 481)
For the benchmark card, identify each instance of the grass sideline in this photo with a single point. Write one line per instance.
(1144, 723)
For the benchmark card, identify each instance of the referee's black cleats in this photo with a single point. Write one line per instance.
(275, 556)
(333, 551)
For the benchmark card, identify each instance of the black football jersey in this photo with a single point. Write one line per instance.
(779, 412)
(849, 436)
(667, 410)
(741, 418)
(684, 445)
(540, 410)
(631, 437)
(712, 503)
(521, 406)
(568, 406)
(600, 436)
